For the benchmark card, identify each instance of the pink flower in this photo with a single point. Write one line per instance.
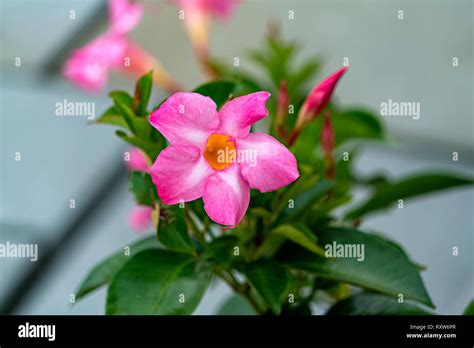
(137, 161)
(197, 14)
(140, 218)
(320, 95)
(213, 155)
(124, 15)
(89, 66)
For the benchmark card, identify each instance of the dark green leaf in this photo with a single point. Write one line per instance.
(236, 305)
(142, 188)
(303, 201)
(218, 91)
(271, 280)
(222, 249)
(142, 93)
(469, 309)
(173, 231)
(104, 272)
(413, 186)
(367, 303)
(159, 282)
(382, 267)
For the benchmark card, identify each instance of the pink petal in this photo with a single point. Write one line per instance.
(222, 8)
(89, 65)
(274, 165)
(140, 217)
(237, 115)
(124, 15)
(226, 196)
(186, 119)
(137, 161)
(179, 174)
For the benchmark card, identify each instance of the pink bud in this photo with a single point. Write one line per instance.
(327, 135)
(140, 218)
(283, 99)
(320, 95)
(137, 161)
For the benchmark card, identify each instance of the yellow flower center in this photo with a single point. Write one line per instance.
(220, 151)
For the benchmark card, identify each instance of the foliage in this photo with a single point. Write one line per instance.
(276, 258)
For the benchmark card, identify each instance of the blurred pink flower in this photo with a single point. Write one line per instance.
(213, 155)
(89, 66)
(137, 161)
(124, 15)
(140, 218)
(197, 14)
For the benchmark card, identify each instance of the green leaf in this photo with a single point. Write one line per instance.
(469, 309)
(127, 114)
(271, 280)
(173, 231)
(299, 236)
(142, 93)
(151, 149)
(219, 91)
(409, 187)
(367, 303)
(222, 249)
(113, 117)
(356, 124)
(382, 267)
(104, 272)
(159, 282)
(122, 97)
(142, 188)
(303, 201)
(236, 305)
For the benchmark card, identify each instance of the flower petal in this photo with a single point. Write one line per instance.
(140, 218)
(89, 65)
(273, 167)
(137, 161)
(124, 15)
(226, 196)
(237, 115)
(179, 174)
(186, 119)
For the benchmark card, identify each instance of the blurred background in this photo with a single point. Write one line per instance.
(62, 158)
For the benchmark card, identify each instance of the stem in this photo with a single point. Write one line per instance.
(242, 289)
